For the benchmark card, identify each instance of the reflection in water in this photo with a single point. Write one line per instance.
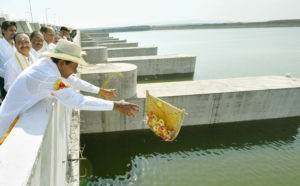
(125, 158)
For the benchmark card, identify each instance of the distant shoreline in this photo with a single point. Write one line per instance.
(267, 24)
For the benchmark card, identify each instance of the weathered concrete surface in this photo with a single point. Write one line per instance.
(111, 41)
(132, 51)
(119, 76)
(19, 27)
(95, 55)
(160, 65)
(2, 19)
(105, 38)
(25, 26)
(218, 101)
(98, 34)
(118, 45)
(35, 26)
(88, 43)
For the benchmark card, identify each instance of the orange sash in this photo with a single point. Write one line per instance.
(11, 127)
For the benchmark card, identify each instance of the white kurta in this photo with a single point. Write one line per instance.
(35, 53)
(14, 66)
(37, 83)
(47, 46)
(6, 52)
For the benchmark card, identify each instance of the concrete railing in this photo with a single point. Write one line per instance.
(35, 152)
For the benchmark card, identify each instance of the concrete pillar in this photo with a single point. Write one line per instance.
(111, 41)
(132, 51)
(95, 55)
(105, 38)
(35, 26)
(99, 34)
(19, 27)
(25, 26)
(118, 45)
(2, 19)
(88, 43)
(120, 76)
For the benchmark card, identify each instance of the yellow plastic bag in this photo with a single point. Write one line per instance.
(164, 119)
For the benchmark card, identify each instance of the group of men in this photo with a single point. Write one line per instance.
(36, 67)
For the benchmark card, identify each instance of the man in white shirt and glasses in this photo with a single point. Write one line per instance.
(7, 48)
(46, 78)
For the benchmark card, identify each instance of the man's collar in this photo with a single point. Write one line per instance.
(22, 54)
(7, 43)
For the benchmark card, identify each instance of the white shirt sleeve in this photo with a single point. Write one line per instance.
(10, 75)
(82, 85)
(72, 99)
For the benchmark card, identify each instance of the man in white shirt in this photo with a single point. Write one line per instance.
(49, 35)
(37, 40)
(65, 33)
(45, 78)
(21, 59)
(8, 30)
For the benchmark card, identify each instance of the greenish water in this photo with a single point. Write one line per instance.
(247, 153)
(229, 53)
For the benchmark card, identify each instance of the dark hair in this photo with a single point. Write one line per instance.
(7, 24)
(34, 34)
(55, 60)
(16, 35)
(64, 28)
(43, 29)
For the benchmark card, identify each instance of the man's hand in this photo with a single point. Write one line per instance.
(126, 107)
(108, 93)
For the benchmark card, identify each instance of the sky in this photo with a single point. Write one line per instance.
(113, 13)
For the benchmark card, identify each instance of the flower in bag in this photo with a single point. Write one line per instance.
(159, 128)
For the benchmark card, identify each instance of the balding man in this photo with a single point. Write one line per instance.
(37, 40)
(20, 60)
(49, 35)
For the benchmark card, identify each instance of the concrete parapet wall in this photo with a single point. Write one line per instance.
(111, 41)
(25, 26)
(160, 65)
(118, 45)
(35, 26)
(105, 38)
(98, 34)
(119, 76)
(88, 43)
(35, 152)
(132, 51)
(218, 101)
(95, 55)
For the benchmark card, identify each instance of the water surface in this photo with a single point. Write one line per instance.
(247, 153)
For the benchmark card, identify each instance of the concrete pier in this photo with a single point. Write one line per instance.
(160, 65)
(88, 43)
(111, 41)
(35, 26)
(105, 38)
(25, 26)
(99, 34)
(119, 76)
(95, 55)
(118, 45)
(132, 51)
(218, 101)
